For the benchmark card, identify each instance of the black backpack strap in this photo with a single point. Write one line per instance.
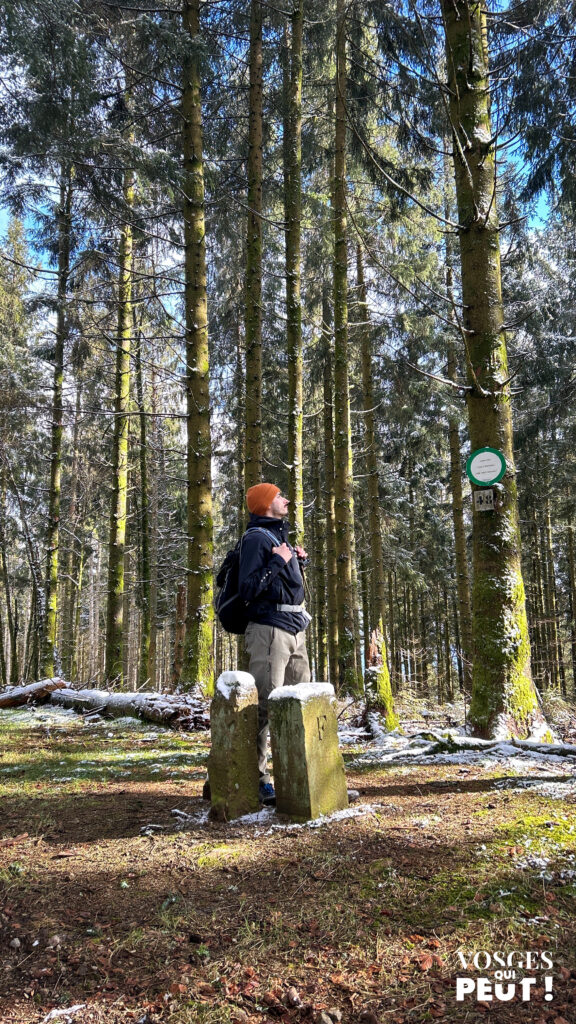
(269, 534)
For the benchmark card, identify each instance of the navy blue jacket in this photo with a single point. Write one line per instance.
(266, 580)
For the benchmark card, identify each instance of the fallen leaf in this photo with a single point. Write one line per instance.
(178, 989)
(14, 839)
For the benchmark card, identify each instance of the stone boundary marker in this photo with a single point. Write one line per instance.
(309, 774)
(232, 762)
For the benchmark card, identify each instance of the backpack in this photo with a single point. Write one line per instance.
(231, 610)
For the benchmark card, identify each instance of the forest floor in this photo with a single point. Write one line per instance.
(114, 908)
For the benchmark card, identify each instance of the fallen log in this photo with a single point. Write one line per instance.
(176, 711)
(34, 693)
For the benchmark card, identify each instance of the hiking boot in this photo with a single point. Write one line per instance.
(266, 794)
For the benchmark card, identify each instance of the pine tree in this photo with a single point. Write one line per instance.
(198, 654)
(503, 696)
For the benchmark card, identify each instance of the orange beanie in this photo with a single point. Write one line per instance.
(260, 497)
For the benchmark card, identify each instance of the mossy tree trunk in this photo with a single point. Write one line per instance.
(377, 602)
(144, 672)
(114, 668)
(199, 644)
(50, 659)
(504, 699)
(253, 306)
(320, 563)
(572, 600)
(3, 670)
(349, 671)
(14, 670)
(293, 217)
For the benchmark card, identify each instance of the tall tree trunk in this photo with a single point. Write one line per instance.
(554, 617)
(14, 670)
(153, 504)
(349, 671)
(540, 658)
(449, 689)
(320, 563)
(50, 660)
(70, 595)
(253, 310)
(242, 660)
(464, 625)
(143, 673)
(383, 695)
(572, 596)
(293, 217)
(392, 633)
(199, 646)
(36, 574)
(461, 557)
(75, 659)
(3, 670)
(179, 635)
(549, 614)
(504, 699)
(114, 668)
(329, 498)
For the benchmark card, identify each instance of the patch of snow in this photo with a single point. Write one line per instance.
(241, 684)
(257, 818)
(357, 811)
(352, 735)
(303, 691)
(67, 1013)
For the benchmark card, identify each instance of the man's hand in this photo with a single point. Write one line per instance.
(300, 553)
(284, 552)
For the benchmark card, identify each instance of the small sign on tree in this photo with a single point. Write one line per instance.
(486, 466)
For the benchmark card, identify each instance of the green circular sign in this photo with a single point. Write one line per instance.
(486, 466)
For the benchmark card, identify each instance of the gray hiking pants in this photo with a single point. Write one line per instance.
(277, 658)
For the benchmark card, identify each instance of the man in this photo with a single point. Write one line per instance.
(270, 579)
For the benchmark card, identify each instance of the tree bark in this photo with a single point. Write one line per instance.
(377, 603)
(114, 668)
(253, 307)
(70, 595)
(199, 645)
(504, 699)
(50, 657)
(460, 553)
(329, 499)
(143, 672)
(572, 595)
(293, 218)
(175, 711)
(30, 694)
(348, 669)
(320, 563)
(14, 670)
